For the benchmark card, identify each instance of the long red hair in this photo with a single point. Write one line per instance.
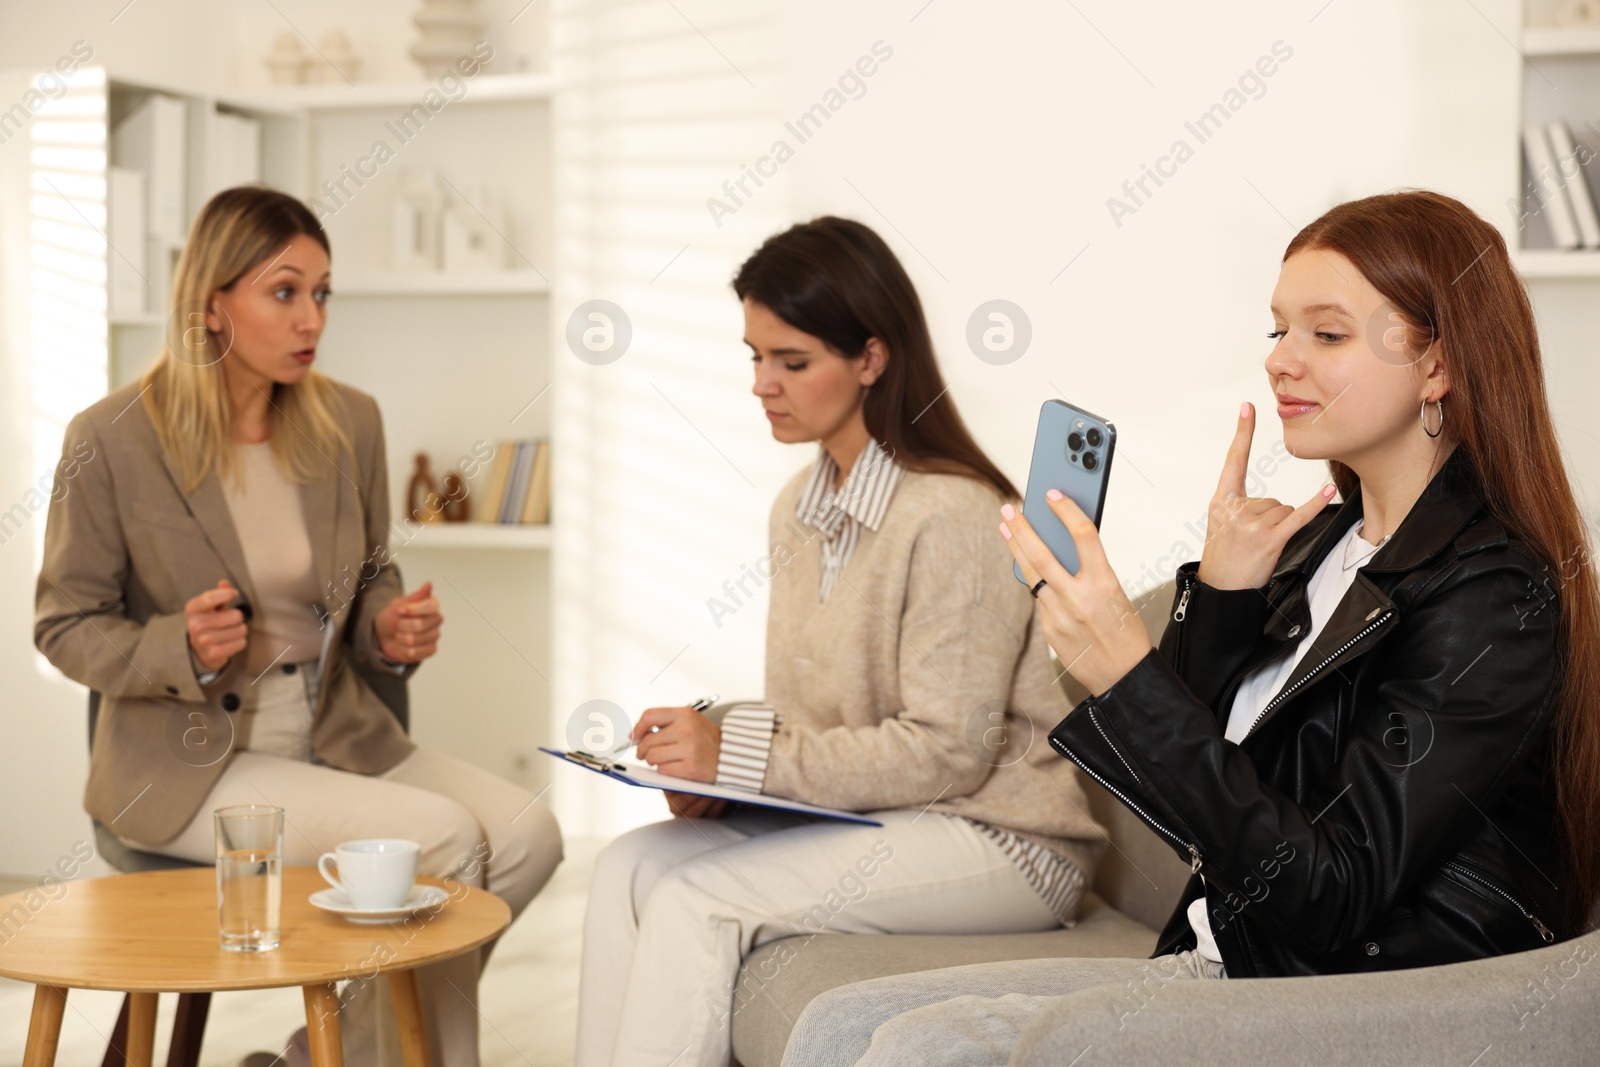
(1446, 272)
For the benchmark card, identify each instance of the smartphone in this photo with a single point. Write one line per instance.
(1072, 451)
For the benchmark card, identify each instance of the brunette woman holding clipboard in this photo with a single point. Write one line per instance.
(906, 677)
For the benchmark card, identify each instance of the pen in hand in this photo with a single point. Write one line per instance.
(699, 705)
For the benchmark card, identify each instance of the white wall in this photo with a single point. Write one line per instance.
(189, 44)
(663, 481)
(990, 144)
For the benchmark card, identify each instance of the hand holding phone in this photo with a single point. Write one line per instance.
(1072, 451)
(1088, 621)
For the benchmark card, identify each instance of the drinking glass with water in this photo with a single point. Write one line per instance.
(249, 876)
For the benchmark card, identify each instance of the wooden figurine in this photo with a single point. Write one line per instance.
(456, 506)
(423, 503)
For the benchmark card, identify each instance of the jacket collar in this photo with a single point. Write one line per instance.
(1445, 508)
(1448, 504)
(209, 508)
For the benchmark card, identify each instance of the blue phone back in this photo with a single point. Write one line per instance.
(1056, 466)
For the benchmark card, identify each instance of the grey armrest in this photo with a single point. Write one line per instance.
(1536, 1007)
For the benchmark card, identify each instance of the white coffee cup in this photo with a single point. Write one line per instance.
(377, 872)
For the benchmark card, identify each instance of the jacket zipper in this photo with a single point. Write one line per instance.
(1544, 931)
(1194, 853)
(1178, 615)
(1289, 692)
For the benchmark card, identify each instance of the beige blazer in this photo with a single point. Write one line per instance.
(125, 549)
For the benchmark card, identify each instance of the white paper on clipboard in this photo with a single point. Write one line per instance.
(638, 774)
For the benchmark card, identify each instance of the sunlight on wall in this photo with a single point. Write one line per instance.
(658, 106)
(66, 345)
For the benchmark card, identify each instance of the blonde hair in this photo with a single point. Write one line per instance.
(237, 234)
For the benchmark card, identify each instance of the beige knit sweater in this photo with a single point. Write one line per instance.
(924, 676)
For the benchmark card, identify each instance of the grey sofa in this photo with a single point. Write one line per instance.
(1541, 1006)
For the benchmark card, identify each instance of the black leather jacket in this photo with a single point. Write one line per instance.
(1393, 806)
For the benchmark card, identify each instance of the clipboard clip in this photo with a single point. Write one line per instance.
(598, 763)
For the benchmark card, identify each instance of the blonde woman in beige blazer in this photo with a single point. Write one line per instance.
(234, 475)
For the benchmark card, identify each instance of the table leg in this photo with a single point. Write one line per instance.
(44, 1029)
(141, 1029)
(408, 1018)
(322, 1024)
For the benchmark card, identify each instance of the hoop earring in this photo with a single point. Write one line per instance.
(1423, 416)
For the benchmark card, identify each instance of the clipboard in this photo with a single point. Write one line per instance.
(638, 774)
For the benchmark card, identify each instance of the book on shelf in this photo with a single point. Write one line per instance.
(1573, 173)
(235, 152)
(153, 139)
(537, 508)
(494, 491)
(517, 491)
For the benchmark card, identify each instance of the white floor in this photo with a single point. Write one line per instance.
(529, 995)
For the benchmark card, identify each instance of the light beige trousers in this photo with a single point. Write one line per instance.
(675, 906)
(473, 827)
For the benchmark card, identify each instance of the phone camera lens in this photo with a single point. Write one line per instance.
(1075, 440)
(1094, 437)
(1089, 460)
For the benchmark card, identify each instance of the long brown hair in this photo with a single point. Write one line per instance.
(235, 235)
(838, 281)
(1445, 271)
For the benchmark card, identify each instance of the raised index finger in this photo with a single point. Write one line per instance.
(1233, 467)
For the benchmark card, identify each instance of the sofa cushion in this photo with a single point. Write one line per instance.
(780, 978)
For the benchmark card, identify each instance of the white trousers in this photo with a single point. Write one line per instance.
(473, 827)
(675, 906)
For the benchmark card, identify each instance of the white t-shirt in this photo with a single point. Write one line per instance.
(1328, 585)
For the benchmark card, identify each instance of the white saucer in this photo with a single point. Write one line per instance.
(334, 900)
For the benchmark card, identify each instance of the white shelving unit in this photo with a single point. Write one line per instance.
(1560, 79)
(1553, 263)
(476, 283)
(483, 88)
(1561, 40)
(454, 360)
(480, 535)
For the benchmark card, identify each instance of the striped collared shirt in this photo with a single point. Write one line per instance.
(862, 501)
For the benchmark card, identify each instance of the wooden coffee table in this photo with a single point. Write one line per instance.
(151, 933)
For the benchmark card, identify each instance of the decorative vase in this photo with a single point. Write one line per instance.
(470, 232)
(342, 62)
(457, 508)
(423, 503)
(415, 223)
(287, 62)
(449, 29)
